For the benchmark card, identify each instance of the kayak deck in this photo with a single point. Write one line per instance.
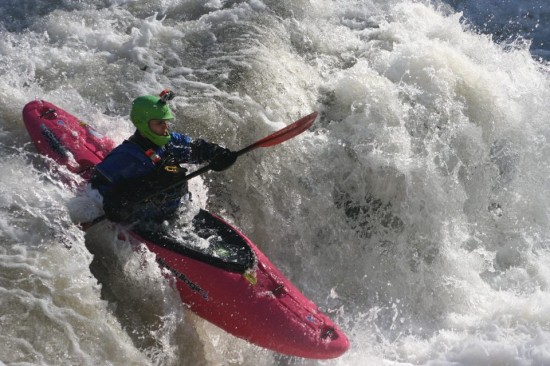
(226, 249)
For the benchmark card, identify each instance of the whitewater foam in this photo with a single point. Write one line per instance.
(414, 212)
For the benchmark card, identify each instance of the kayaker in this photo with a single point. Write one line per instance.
(149, 161)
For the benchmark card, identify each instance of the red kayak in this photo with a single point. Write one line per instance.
(230, 283)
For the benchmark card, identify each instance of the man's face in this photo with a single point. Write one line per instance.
(159, 126)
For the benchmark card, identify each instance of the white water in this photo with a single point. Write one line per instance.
(415, 212)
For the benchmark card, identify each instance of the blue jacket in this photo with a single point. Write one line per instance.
(136, 169)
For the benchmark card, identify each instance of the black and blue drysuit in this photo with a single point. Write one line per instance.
(129, 176)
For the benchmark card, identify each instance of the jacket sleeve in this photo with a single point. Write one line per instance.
(203, 151)
(187, 150)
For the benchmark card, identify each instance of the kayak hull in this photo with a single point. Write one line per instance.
(260, 305)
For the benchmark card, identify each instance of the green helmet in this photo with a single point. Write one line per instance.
(146, 108)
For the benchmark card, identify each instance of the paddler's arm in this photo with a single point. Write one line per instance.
(219, 157)
(200, 151)
(118, 180)
(122, 199)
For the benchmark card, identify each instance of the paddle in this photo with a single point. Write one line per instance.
(275, 138)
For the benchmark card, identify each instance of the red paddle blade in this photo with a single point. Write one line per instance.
(288, 132)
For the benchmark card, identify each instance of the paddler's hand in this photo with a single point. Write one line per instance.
(223, 160)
